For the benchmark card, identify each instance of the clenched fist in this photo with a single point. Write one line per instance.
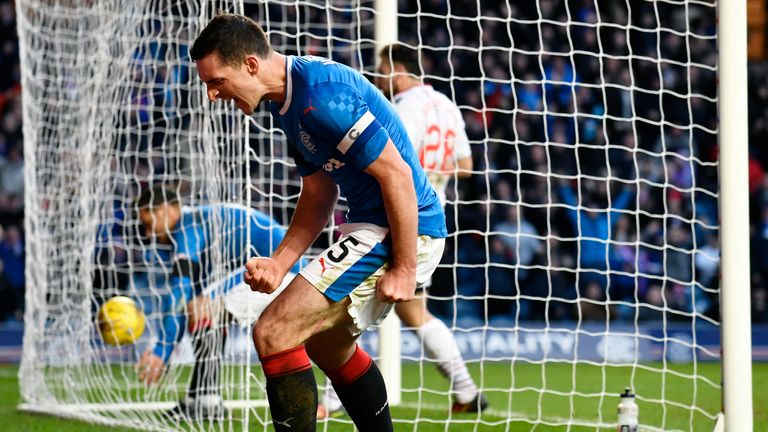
(396, 286)
(263, 274)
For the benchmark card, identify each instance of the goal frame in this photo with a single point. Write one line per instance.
(736, 358)
(736, 337)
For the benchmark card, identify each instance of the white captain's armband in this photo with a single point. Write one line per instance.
(355, 131)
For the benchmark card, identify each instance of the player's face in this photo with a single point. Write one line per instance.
(228, 83)
(384, 79)
(157, 223)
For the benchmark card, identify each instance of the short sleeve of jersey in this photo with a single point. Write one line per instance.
(345, 119)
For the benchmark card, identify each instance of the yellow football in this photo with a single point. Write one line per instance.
(121, 321)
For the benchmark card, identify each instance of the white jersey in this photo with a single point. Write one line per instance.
(436, 129)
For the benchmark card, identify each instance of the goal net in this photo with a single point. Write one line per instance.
(583, 252)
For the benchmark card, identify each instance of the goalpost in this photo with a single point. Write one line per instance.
(734, 208)
(577, 112)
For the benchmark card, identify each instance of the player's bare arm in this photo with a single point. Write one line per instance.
(461, 169)
(464, 167)
(396, 182)
(316, 203)
(150, 367)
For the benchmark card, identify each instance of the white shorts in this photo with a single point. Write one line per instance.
(351, 267)
(245, 305)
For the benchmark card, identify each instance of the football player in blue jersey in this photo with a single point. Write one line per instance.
(436, 129)
(346, 139)
(184, 238)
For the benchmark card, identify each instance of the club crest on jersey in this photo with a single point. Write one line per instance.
(307, 141)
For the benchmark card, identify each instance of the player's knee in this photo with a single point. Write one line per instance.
(268, 335)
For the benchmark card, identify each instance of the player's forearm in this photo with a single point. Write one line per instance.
(171, 331)
(402, 214)
(174, 318)
(313, 211)
(462, 169)
(300, 235)
(399, 194)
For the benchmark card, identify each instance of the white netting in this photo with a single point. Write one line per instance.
(583, 252)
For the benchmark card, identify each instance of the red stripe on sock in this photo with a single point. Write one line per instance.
(353, 369)
(286, 362)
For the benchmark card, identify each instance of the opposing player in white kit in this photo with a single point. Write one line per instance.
(436, 129)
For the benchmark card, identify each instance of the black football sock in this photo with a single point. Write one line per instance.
(291, 390)
(363, 393)
(208, 345)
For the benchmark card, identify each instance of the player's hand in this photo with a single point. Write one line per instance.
(263, 274)
(150, 367)
(396, 286)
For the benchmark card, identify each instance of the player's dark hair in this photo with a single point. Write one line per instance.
(154, 197)
(405, 55)
(233, 37)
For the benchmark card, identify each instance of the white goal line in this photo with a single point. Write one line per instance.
(247, 404)
(130, 406)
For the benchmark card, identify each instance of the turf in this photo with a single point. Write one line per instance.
(583, 394)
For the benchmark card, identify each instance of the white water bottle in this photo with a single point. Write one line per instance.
(628, 412)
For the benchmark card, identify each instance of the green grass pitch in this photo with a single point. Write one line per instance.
(525, 408)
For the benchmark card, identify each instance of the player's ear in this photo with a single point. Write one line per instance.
(399, 68)
(252, 64)
(173, 212)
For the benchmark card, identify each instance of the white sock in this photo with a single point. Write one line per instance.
(205, 400)
(331, 399)
(440, 346)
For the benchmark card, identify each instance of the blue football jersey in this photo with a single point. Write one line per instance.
(232, 234)
(337, 121)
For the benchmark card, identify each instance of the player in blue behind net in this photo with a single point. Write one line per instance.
(345, 137)
(185, 239)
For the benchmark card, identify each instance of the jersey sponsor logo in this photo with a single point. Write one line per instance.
(333, 164)
(307, 141)
(309, 108)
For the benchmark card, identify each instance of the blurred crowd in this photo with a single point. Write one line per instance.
(595, 145)
(11, 171)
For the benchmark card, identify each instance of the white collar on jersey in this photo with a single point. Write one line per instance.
(399, 96)
(288, 85)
